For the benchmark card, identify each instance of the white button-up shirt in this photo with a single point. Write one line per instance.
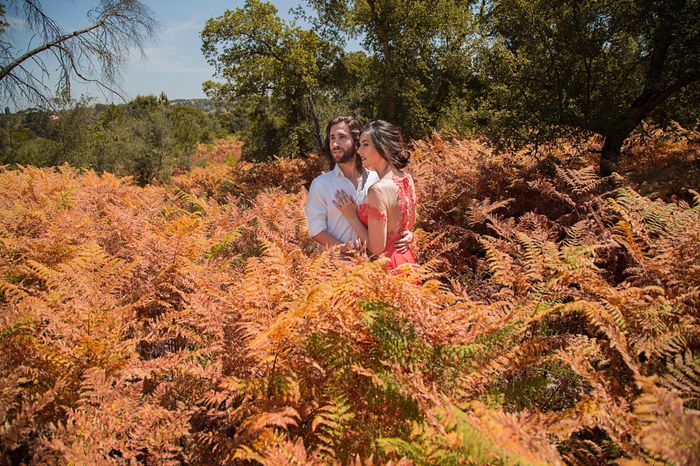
(322, 214)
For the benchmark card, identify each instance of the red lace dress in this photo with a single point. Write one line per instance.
(399, 217)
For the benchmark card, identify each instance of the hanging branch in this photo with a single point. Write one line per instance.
(92, 54)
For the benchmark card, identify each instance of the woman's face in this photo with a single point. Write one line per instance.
(371, 159)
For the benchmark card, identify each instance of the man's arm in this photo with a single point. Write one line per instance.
(317, 216)
(325, 239)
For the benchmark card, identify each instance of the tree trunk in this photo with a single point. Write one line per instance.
(317, 124)
(389, 109)
(611, 154)
(654, 93)
(649, 100)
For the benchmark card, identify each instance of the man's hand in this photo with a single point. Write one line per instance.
(401, 245)
(348, 249)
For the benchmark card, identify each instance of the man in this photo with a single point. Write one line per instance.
(327, 226)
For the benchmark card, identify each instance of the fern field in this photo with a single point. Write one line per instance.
(556, 321)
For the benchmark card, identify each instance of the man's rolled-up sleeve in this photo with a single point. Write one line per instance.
(316, 211)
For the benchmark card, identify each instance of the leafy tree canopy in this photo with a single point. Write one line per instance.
(416, 60)
(280, 65)
(598, 66)
(420, 52)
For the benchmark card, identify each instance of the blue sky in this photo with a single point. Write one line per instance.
(173, 62)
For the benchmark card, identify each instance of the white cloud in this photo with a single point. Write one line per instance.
(176, 50)
(166, 59)
(179, 26)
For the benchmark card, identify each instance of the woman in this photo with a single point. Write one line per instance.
(391, 202)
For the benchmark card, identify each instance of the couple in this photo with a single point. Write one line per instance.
(367, 196)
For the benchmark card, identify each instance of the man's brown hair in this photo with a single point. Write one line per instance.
(355, 128)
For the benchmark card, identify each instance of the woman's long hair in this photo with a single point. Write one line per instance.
(388, 141)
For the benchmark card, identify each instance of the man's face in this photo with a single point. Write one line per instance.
(341, 143)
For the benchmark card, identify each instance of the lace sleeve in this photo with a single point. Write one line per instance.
(407, 200)
(376, 213)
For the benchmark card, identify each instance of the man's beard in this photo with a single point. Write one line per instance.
(346, 157)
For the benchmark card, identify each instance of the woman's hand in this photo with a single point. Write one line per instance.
(345, 204)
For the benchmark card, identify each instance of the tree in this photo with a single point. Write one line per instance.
(419, 53)
(274, 67)
(416, 61)
(73, 132)
(147, 138)
(91, 54)
(601, 66)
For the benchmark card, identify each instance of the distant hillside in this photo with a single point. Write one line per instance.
(206, 105)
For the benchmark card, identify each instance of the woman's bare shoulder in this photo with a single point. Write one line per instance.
(380, 192)
(383, 186)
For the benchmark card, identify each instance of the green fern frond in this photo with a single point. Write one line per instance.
(606, 320)
(475, 436)
(616, 314)
(398, 447)
(683, 377)
(223, 243)
(194, 204)
(532, 257)
(331, 422)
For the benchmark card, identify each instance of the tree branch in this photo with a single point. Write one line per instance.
(8, 69)
(91, 54)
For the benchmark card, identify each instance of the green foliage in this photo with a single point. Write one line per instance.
(554, 69)
(276, 69)
(289, 81)
(470, 436)
(331, 423)
(550, 386)
(418, 52)
(146, 139)
(525, 73)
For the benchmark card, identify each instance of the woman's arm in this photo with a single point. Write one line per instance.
(348, 207)
(377, 221)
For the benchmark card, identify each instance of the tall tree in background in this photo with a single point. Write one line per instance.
(416, 61)
(276, 69)
(91, 54)
(419, 53)
(597, 65)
